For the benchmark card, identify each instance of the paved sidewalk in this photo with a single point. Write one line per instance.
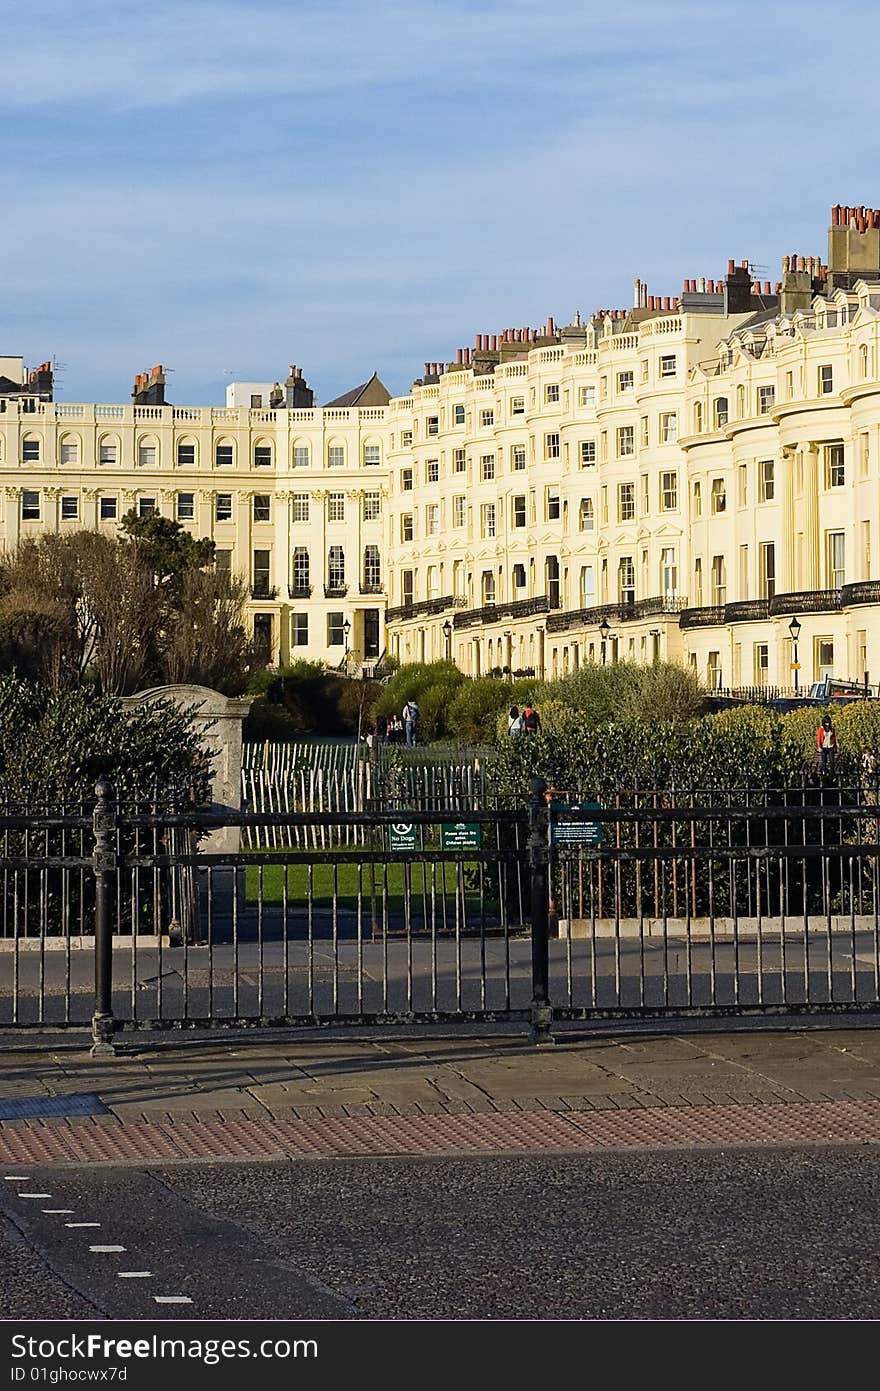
(399, 1094)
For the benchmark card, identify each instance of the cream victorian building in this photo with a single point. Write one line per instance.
(682, 478)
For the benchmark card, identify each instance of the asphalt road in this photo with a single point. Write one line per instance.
(746, 1233)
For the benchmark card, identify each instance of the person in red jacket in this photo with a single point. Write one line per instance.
(531, 720)
(826, 745)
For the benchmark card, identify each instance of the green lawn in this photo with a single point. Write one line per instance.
(346, 880)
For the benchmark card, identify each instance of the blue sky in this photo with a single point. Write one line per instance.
(230, 187)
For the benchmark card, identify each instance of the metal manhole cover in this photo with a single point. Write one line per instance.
(35, 1107)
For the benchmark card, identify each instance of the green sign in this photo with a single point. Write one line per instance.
(402, 836)
(576, 829)
(460, 835)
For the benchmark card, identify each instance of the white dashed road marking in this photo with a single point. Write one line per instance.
(97, 1250)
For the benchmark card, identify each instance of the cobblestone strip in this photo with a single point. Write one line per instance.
(198, 1140)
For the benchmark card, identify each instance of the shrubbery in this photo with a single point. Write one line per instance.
(473, 709)
(58, 743)
(749, 745)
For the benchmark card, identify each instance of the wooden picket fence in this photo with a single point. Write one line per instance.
(332, 778)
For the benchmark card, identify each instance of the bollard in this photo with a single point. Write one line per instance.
(104, 868)
(539, 864)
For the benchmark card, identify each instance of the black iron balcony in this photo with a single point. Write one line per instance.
(513, 608)
(335, 591)
(261, 589)
(372, 587)
(660, 605)
(424, 606)
(806, 601)
(746, 610)
(299, 591)
(591, 617)
(861, 592)
(709, 617)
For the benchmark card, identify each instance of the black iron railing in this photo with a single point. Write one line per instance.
(806, 601)
(493, 613)
(667, 902)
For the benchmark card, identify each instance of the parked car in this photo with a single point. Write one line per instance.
(831, 690)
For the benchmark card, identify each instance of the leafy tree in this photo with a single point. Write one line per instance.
(169, 549)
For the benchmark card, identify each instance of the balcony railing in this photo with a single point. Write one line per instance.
(372, 587)
(660, 605)
(591, 617)
(299, 591)
(806, 601)
(335, 591)
(424, 606)
(493, 613)
(745, 610)
(862, 592)
(263, 591)
(709, 617)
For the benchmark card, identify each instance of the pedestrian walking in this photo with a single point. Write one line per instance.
(514, 721)
(380, 729)
(411, 723)
(531, 720)
(826, 745)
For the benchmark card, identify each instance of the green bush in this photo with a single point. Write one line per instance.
(749, 745)
(60, 742)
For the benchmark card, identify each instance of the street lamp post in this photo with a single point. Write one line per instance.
(447, 636)
(346, 628)
(604, 630)
(795, 629)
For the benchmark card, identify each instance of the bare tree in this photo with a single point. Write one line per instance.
(205, 639)
(119, 609)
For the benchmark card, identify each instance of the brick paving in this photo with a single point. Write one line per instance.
(574, 1132)
(265, 1098)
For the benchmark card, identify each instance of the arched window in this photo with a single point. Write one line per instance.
(301, 454)
(186, 455)
(335, 454)
(224, 453)
(147, 451)
(30, 449)
(69, 450)
(108, 450)
(721, 412)
(863, 361)
(263, 454)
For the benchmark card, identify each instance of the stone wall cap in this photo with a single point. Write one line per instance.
(209, 702)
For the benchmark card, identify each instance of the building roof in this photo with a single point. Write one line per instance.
(371, 393)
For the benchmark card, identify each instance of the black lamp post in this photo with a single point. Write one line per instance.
(346, 628)
(604, 630)
(795, 629)
(447, 635)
